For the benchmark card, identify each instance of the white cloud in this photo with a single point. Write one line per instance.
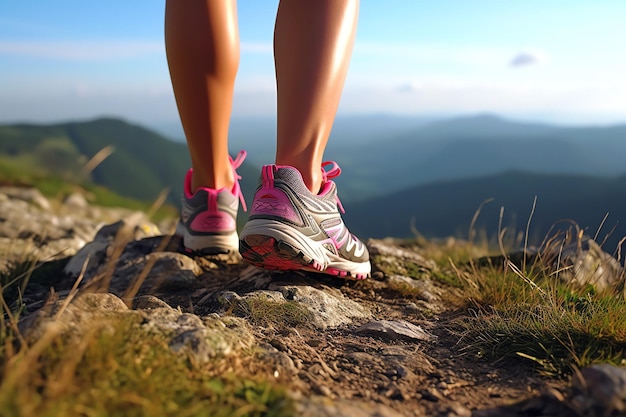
(528, 57)
(81, 50)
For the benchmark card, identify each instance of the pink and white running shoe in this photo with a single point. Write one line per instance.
(290, 228)
(208, 218)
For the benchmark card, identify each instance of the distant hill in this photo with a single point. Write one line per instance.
(476, 146)
(143, 163)
(446, 208)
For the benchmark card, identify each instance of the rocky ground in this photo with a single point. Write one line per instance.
(380, 347)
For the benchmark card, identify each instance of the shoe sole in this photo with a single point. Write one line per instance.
(210, 244)
(272, 245)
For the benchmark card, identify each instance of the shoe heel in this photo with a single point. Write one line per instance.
(268, 253)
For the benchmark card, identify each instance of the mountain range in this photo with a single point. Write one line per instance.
(548, 202)
(479, 146)
(436, 172)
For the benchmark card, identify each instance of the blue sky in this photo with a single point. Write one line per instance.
(554, 60)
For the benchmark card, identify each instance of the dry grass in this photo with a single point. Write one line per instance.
(118, 368)
(517, 308)
(288, 313)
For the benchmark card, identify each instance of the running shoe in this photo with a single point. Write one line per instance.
(208, 219)
(290, 228)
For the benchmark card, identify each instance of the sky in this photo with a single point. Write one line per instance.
(561, 61)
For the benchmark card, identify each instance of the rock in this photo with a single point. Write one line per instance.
(455, 409)
(329, 307)
(432, 394)
(29, 195)
(600, 389)
(587, 263)
(6, 267)
(395, 330)
(424, 289)
(99, 302)
(88, 259)
(70, 317)
(282, 362)
(76, 200)
(98, 259)
(378, 275)
(156, 271)
(32, 228)
(229, 298)
(200, 339)
(575, 260)
(388, 248)
(242, 306)
(273, 296)
(148, 302)
(202, 344)
(325, 308)
(26, 231)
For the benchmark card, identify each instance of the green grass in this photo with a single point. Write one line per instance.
(448, 278)
(265, 312)
(390, 267)
(20, 171)
(404, 290)
(530, 315)
(512, 310)
(118, 368)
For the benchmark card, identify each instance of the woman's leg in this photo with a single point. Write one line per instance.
(202, 45)
(312, 47)
(296, 226)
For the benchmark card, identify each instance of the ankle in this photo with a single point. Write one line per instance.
(313, 182)
(312, 179)
(201, 179)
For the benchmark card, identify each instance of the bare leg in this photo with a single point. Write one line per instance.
(202, 45)
(312, 46)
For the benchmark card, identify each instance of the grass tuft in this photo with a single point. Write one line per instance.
(523, 311)
(120, 368)
(264, 312)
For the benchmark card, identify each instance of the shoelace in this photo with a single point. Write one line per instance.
(236, 163)
(333, 172)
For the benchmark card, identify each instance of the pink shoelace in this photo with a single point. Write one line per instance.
(236, 163)
(333, 172)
